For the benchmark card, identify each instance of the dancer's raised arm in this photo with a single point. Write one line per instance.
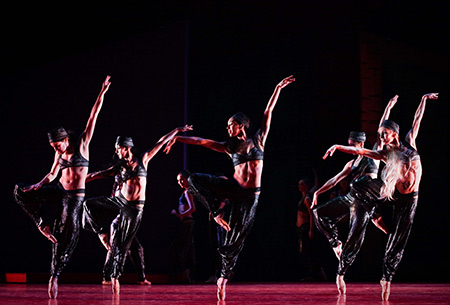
(86, 136)
(385, 116)
(149, 154)
(412, 134)
(267, 117)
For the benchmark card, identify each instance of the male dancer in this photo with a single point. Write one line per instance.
(401, 176)
(104, 216)
(56, 210)
(359, 203)
(243, 191)
(129, 204)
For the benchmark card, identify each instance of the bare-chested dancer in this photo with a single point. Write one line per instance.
(401, 176)
(243, 191)
(46, 203)
(101, 215)
(360, 203)
(129, 204)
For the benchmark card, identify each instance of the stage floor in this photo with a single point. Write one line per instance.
(237, 293)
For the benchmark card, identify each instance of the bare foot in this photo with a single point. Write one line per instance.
(338, 250)
(53, 287)
(385, 290)
(144, 282)
(104, 238)
(221, 285)
(105, 282)
(47, 233)
(115, 286)
(341, 284)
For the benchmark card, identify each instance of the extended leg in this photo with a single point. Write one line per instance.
(326, 218)
(359, 219)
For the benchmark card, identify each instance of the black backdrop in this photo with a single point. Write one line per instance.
(200, 63)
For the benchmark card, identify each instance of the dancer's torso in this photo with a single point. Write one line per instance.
(134, 180)
(248, 163)
(74, 168)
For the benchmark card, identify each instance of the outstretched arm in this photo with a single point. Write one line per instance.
(384, 117)
(373, 154)
(211, 144)
(86, 136)
(109, 172)
(149, 154)
(412, 134)
(331, 183)
(267, 117)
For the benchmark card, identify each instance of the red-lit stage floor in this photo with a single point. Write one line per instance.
(238, 293)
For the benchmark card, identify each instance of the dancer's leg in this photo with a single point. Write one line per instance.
(359, 219)
(127, 226)
(43, 206)
(328, 215)
(404, 211)
(66, 231)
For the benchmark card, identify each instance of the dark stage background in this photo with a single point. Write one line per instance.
(173, 63)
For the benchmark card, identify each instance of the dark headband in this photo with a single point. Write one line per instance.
(241, 119)
(357, 136)
(391, 125)
(57, 134)
(124, 141)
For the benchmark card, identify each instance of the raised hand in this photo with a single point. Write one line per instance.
(431, 96)
(106, 83)
(286, 81)
(393, 101)
(185, 128)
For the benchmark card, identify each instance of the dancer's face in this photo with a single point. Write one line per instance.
(60, 146)
(387, 136)
(234, 128)
(122, 151)
(182, 181)
(302, 186)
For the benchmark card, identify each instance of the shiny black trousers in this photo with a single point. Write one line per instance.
(119, 219)
(54, 207)
(210, 191)
(359, 204)
(404, 209)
